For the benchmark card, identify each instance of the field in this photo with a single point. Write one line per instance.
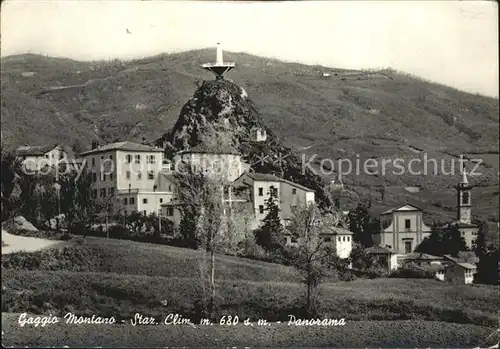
(120, 278)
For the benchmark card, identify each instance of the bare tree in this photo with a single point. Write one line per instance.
(313, 253)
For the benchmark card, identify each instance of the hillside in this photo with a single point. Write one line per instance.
(90, 277)
(314, 110)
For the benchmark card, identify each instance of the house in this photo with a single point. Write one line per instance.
(129, 177)
(36, 158)
(340, 238)
(402, 229)
(227, 165)
(420, 259)
(258, 187)
(384, 256)
(258, 134)
(460, 273)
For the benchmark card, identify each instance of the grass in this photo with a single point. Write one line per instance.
(383, 334)
(95, 279)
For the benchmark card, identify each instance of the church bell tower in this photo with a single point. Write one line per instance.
(464, 200)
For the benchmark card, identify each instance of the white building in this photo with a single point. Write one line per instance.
(129, 177)
(37, 158)
(403, 229)
(259, 186)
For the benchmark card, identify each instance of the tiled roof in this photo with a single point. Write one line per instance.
(340, 231)
(421, 256)
(126, 145)
(266, 177)
(378, 249)
(467, 265)
(406, 207)
(34, 149)
(459, 224)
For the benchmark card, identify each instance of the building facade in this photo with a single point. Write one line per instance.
(402, 230)
(37, 158)
(128, 177)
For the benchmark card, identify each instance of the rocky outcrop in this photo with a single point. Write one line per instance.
(225, 102)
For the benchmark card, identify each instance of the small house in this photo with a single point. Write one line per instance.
(460, 273)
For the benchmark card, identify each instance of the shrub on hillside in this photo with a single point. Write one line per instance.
(119, 232)
(412, 272)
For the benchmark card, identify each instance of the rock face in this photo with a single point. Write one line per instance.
(223, 101)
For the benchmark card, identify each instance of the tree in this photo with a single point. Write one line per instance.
(270, 234)
(74, 196)
(443, 240)
(489, 258)
(362, 225)
(136, 222)
(10, 168)
(312, 255)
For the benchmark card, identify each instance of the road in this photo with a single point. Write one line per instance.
(17, 243)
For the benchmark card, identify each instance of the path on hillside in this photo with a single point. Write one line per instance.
(17, 243)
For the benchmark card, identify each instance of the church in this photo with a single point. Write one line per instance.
(403, 228)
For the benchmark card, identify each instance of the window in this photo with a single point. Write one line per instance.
(294, 191)
(144, 212)
(465, 198)
(408, 247)
(339, 239)
(127, 174)
(111, 157)
(407, 224)
(151, 175)
(343, 238)
(161, 200)
(261, 191)
(273, 191)
(170, 211)
(102, 157)
(111, 176)
(111, 191)
(150, 159)
(94, 177)
(94, 193)
(139, 175)
(169, 187)
(132, 201)
(138, 159)
(125, 201)
(103, 192)
(103, 177)
(348, 238)
(144, 201)
(129, 158)
(93, 162)
(261, 208)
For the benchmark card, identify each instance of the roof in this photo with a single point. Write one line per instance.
(421, 256)
(27, 150)
(406, 207)
(432, 267)
(200, 149)
(378, 250)
(340, 231)
(467, 265)
(126, 145)
(267, 177)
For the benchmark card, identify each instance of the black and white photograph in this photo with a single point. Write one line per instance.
(250, 174)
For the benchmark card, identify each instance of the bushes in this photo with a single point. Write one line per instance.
(413, 273)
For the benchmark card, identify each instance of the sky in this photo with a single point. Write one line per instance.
(451, 42)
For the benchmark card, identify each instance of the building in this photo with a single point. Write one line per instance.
(383, 256)
(342, 241)
(258, 187)
(129, 177)
(258, 134)
(37, 158)
(226, 166)
(460, 273)
(468, 230)
(402, 230)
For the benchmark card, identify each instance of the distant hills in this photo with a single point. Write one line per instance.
(317, 111)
